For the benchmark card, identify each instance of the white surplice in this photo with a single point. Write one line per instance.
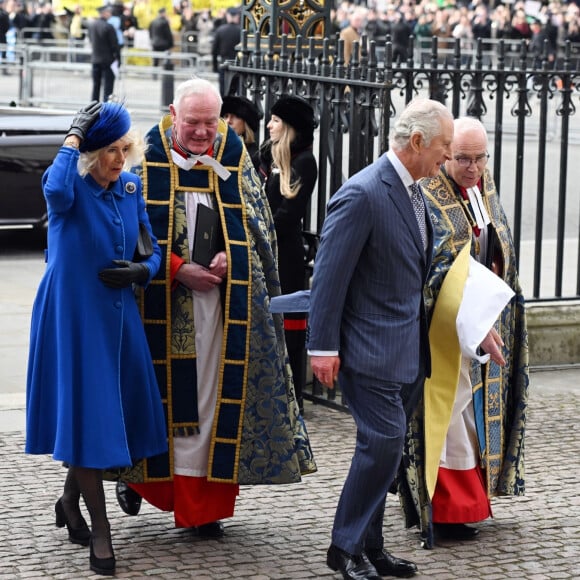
(485, 295)
(191, 453)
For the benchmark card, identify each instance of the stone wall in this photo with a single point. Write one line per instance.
(554, 333)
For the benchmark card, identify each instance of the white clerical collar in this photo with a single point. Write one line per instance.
(479, 211)
(188, 162)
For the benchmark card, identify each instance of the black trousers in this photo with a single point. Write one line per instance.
(295, 343)
(102, 75)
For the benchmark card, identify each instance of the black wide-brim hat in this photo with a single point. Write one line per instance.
(244, 109)
(296, 112)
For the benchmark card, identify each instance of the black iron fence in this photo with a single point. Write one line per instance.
(526, 101)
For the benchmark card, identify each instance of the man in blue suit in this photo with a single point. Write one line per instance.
(367, 324)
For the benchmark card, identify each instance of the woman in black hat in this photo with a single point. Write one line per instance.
(244, 118)
(290, 171)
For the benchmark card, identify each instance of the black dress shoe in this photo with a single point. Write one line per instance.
(80, 535)
(388, 565)
(102, 566)
(350, 566)
(211, 530)
(455, 531)
(129, 499)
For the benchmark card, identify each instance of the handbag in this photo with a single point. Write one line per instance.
(144, 247)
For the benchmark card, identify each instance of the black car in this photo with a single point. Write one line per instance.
(29, 141)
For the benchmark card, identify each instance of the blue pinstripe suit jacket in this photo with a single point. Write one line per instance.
(369, 272)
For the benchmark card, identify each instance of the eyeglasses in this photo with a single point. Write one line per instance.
(480, 160)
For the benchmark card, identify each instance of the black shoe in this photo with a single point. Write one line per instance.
(351, 567)
(300, 402)
(388, 565)
(211, 530)
(81, 535)
(455, 531)
(129, 499)
(102, 566)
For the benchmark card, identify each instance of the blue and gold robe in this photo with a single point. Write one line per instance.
(499, 394)
(258, 437)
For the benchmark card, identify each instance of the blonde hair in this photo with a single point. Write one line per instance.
(249, 136)
(137, 148)
(282, 157)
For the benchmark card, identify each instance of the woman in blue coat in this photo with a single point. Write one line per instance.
(92, 397)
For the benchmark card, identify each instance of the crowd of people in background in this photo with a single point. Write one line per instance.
(467, 20)
(39, 20)
(364, 330)
(554, 21)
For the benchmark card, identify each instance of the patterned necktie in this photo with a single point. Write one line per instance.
(419, 208)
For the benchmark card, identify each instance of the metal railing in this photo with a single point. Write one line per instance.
(527, 105)
(57, 75)
(526, 101)
(528, 108)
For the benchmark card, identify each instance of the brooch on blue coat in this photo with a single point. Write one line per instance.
(130, 187)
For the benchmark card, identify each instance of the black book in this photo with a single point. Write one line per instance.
(208, 238)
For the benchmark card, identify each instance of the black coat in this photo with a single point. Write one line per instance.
(104, 43)
(225, 40)
(288, 217)
(254, 153)
(4, 25)
(160, 34)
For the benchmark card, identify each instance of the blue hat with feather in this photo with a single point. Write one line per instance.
(113, 123)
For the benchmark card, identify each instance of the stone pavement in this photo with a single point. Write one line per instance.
(279, 532)
(282, 532)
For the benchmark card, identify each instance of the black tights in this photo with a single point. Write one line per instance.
(88, 483)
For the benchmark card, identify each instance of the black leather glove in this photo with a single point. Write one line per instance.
(125, 274)
(84, 119)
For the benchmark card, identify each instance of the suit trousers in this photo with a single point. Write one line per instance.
(377, 409)
(102, 73)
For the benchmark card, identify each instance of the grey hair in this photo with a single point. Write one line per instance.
(195, 86)
(137, 148)
(468, 124)
(421, 116)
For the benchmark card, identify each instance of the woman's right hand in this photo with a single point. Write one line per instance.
(85, 119)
